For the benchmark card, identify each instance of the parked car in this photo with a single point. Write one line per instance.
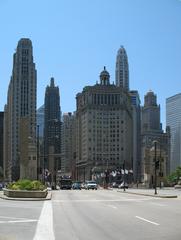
(83, 185)
(116, 184)
(91, 185)
(1, 186)
(123, 185)
(76, 185)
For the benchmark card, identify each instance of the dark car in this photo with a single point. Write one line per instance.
(76, 185)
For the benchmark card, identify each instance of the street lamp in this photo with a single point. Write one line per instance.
(161, 159)
(124, 187)
(38, 153)
(155, 164)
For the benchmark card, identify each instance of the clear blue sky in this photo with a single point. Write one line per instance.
(74, 39)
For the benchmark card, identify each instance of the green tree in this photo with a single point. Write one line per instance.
(174, 177)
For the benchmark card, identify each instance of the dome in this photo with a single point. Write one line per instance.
(104, 73)
(104, 77)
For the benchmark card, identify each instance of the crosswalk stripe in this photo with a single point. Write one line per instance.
(44, 230)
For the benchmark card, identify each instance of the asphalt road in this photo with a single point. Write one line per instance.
(91, 215)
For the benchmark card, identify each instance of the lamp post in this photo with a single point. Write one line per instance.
(155, 164)
(124, 187)
(38, 155)
(160, 170)
(43, 161)
(161, 167)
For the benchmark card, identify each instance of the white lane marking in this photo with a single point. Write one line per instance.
(146, 220)
(16, 220)
(12, 217)
(44, 230)
(159, 204)
(112, 206)
(16, 206)
(19, 221)
(103, 200)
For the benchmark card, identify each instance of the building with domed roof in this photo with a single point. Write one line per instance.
(104, 128)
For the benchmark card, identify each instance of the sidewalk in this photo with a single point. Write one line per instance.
(161, 193)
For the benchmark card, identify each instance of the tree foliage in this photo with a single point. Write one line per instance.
(175, 176)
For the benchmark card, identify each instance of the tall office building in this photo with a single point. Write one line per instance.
(151, 130)
(40, 139)
(151, 113)
(68, 144)
(52, 129)
(40, 120)
(1, 143)
(173, 120)
(135, 101)
(20, 116)
(104, 128)
(122, 80)
(122, 69)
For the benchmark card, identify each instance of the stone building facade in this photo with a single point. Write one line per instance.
(152, 131)
(68, 145)
(103, 128)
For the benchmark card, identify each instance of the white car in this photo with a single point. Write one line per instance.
(123, 185)
(90, 185)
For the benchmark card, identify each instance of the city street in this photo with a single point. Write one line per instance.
(88, 215)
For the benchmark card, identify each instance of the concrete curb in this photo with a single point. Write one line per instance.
(150, 195)
(48, 197)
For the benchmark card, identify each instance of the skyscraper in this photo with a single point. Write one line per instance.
(68, 144)
(40, 139)
(151, 130)
(40, 120)
(173, 120)
(122, 69)
(20, 115)
(135, 101)
(52, 128)
(151, 113)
